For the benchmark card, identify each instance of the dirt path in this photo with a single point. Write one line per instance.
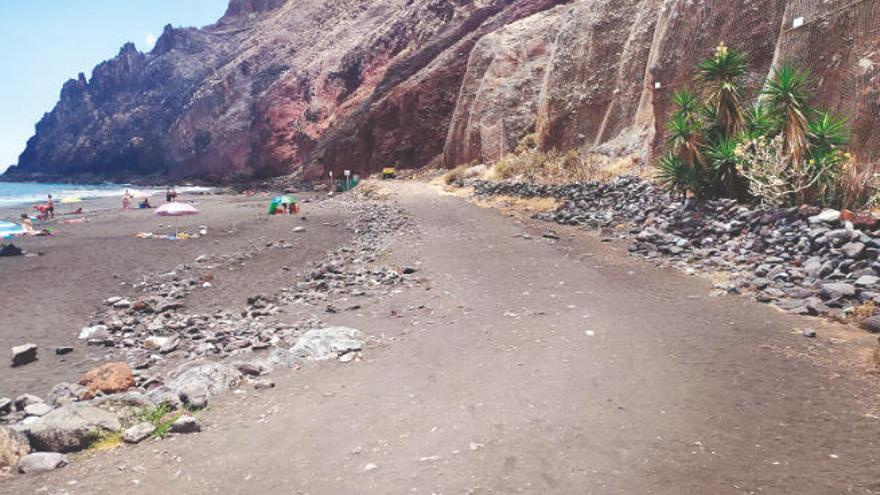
(525, 365)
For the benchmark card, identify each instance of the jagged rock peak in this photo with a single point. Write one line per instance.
(244, 7)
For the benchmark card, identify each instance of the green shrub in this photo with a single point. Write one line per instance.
(778, 151)
(162, 417)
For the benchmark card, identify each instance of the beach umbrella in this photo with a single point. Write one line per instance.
(176, 210)
(71, 199)
(281, 200)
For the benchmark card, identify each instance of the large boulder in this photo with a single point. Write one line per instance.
(71, 428)
(323, 343)
(41, 462)
(109, 378)
(205, 380)
(13, 446)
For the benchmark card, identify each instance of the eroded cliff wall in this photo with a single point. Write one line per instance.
(306, 86)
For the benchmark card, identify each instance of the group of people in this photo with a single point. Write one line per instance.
(286, 209)
(170, 197)
(46, 211)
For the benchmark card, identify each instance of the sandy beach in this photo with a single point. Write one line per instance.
(495, 360)
(47, 299)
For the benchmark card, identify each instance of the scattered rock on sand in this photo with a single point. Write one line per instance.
(836, 290)
(138, 433)
(24, 400)
(71, 428)
(38, 409)
(96, 333)
(110, 378)
(64, 350)
(206, 379)
(186, 424)
(871, 324)
(41, 462)
(299, 229)
(251, 369)
(24, 354)
(320, 343)
(263, 384)
(5, 405)
(64, 392)
(154, 343)
(13, 446)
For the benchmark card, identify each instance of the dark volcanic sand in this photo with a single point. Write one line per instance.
(46, 300)
(523, 365)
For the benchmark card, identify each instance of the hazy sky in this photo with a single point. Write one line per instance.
(46, 42)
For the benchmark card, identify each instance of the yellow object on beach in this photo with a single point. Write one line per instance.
(71, 200)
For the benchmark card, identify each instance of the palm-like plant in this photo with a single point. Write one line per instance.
(712, 131)
(685, 139)
(674, 175)
(787, 94)
(722, 76)
(827, 133)
(723, 161)
(687, 104)
(760, 121)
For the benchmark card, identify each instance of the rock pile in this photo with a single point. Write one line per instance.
(151, 332)
(805, 260)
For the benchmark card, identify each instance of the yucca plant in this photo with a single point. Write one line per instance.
(686, 141)
(723, 160)
(687, 104)
(787, 94)
(760, 121)
(827, 134)
(712, 131)
(674, 175)
(722, 77)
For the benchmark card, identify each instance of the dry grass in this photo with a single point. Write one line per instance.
(550, 167)
(559, 168)
(456, 174)
(372, 189)
(518, 206)
(859, 185)
(864, 311)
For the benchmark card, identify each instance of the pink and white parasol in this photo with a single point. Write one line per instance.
(176, 210)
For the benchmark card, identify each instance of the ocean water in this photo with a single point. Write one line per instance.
(14, 194)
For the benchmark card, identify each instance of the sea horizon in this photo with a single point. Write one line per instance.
(13, 194)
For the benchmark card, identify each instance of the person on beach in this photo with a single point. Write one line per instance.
(170, 195)
(146, 203)
(27, 225)
(29, 229)
(50, 207)
(126, 199)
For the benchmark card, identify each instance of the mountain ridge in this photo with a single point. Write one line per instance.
(303, 87)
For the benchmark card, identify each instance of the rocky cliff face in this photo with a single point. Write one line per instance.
(284, 86)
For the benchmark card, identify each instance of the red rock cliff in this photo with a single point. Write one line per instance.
(283, 86)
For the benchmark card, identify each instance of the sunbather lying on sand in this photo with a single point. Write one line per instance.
(29, 229)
